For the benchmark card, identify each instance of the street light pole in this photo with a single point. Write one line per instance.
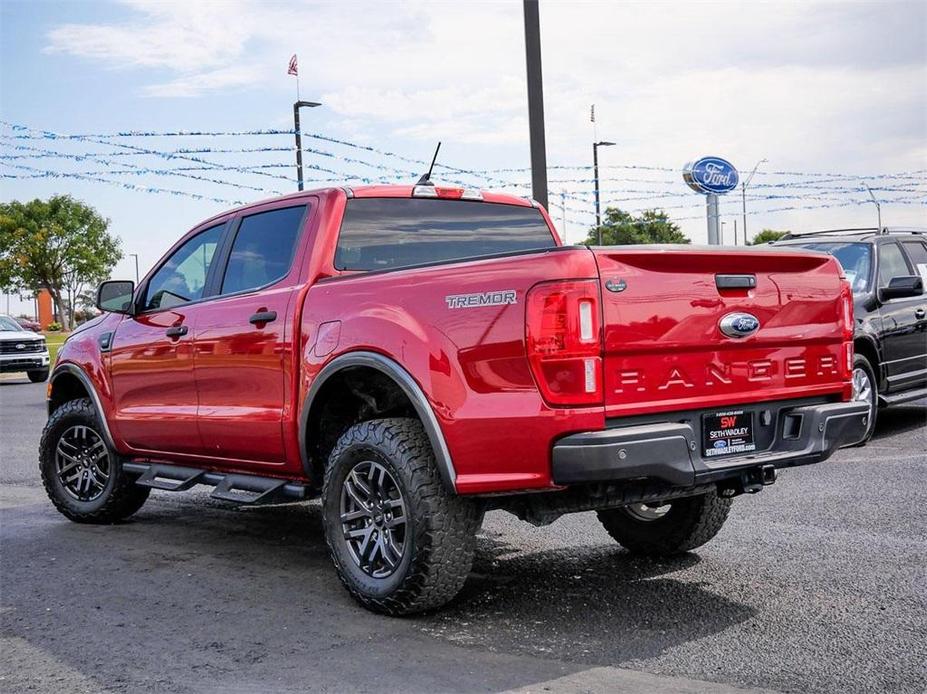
(595, 173)
(535, 85)
(299, 139)
(743, 194)
(135, 255)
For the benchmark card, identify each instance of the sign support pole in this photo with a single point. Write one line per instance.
(714, 225)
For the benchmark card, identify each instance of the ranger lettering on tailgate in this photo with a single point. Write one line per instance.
(753, 371)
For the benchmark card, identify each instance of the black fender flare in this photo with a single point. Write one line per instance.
(409, 386)
(82, 376)
(878, 367)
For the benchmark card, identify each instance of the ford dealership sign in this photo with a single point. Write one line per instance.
(711, 175)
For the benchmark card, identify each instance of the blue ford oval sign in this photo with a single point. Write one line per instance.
(739, 324)
(711, 175)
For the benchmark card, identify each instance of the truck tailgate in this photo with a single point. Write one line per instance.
(663, 344)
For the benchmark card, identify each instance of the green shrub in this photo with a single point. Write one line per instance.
(54, 327)
(766, 236)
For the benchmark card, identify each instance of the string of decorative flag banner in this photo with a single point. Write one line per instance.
(182, 152)
(570, 198)
(39, 173)
(43, 134)
(477, 172)
(26, 132)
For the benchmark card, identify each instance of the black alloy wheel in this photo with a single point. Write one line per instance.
(82, 463)
(373, 518)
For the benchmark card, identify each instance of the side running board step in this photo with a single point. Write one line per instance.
(252, 490)
(903, 396)
(178, 479)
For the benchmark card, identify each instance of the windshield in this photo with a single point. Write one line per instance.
(856, 259)
(7, 324)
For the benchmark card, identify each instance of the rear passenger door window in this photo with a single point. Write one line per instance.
(891, 263)
(917, 254)
(262, 250)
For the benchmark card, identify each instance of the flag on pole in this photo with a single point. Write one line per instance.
(293, 69)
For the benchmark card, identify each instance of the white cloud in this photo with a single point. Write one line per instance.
(195, 84)
(183, 36)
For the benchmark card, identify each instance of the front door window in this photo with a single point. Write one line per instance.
(182, 278)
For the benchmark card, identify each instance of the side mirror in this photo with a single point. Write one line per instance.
(115, 296)
(902, 287)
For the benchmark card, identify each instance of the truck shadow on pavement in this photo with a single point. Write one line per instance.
(596, 604)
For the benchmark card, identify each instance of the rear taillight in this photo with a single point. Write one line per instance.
(846, 317)
(564, 342)
(846, 301)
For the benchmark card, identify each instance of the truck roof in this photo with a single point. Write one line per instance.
(860, 234)
(385, 191)
(406, 191)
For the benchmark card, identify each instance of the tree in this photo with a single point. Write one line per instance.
(766, 236)
(620, 227)
(59, 244)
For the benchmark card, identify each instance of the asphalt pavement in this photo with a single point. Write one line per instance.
(818, 584)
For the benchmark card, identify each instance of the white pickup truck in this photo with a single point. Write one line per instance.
(21, 350)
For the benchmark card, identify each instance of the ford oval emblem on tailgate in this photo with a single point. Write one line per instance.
(616, 284)
(739, 324)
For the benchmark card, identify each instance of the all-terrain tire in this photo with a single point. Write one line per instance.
(38, 375)
(689, 523)
(120, 496)
(440, 527)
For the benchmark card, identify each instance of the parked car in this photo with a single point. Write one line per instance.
(887, 269)
(22, 351)
(419, 355)
(27, 324)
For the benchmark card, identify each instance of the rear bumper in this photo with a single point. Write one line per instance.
(670, 451)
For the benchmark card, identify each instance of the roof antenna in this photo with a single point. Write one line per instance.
(425, 180)
(878, 206)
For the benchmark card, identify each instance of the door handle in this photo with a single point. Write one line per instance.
(920, 313)
(735, 281)
(263, 317)
(176, 331)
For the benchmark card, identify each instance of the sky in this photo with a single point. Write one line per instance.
(814, 88)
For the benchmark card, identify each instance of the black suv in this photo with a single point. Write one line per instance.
(887, 269)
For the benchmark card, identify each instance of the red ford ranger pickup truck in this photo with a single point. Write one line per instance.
(419, 355)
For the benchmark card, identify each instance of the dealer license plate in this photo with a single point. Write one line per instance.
(727, 433)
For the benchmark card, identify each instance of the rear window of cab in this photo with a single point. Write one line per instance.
(389, 233)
